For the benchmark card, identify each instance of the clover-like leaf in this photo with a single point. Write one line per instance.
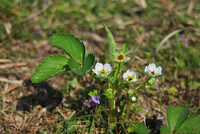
(191, 125)
(176, 116)
(49, 67)
(164, 130)
(69, 45)
(141, 129)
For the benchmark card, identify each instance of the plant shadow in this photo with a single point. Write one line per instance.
(154, 124)
(78, 103)
(45, 96)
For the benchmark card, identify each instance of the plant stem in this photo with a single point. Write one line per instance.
(142, 87)
(112, 110)
(116, 75)
(113, 118)
(129, 105)
(137, 91)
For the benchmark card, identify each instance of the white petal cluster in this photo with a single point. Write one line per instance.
(130, 76)
(102, 70)
(152, 70)
(133, 98)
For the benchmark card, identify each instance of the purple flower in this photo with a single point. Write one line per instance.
(95, 99)
(88, 105)
(39, 31)
(181, 36)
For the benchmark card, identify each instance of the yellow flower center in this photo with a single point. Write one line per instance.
(120, 58)
(103, 71)
(153, 72)
(130, 78)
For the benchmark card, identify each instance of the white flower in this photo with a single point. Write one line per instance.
(102, 70)
(133, 98)
(152, 70)
(130, 76)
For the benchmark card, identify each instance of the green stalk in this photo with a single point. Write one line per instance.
(142, 87)
(113, 118)
(116, 75)
(137, 91)
(129, 105)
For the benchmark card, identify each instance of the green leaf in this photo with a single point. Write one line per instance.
(176, 116)
(91, 94)
(172, 90)
(69, 45)
(151, 80)
(124, 49)
(87, 65)
(74, 83)
(137, 108)
(130, 91)
(108, 93)
(95, 91)
(131, 129)
(141, 129)
(164, 130)
(111, 43)
(191, 125)
(50, 67)
(74, 66)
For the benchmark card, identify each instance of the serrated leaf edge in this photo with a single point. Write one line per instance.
(65, 50)
(43, 61)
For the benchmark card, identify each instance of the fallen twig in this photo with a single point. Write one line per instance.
(13, 65)
(5, 60)
(19, 82)
(61, 113)
(44, 110)
(10, 89)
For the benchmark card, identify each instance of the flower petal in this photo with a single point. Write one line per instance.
(88, 105)
(95, 99)
(95, 71)
(98, 66)
(128, 58)
(158, 71)
(130, 73)
(133, 98)
(146, 69)
(125, 75)
(107, 67)
(152, 67)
